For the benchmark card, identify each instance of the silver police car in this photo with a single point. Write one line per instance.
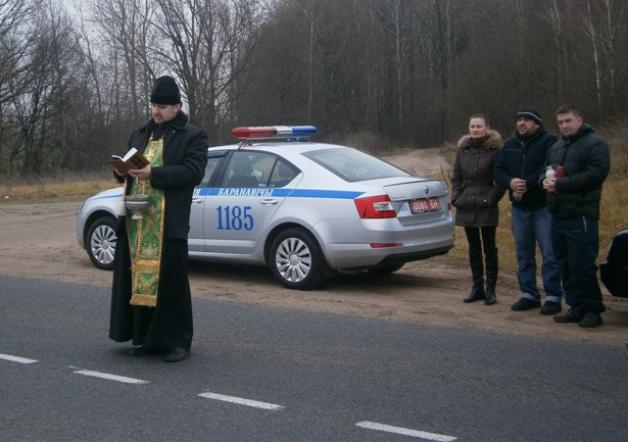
(304, 209)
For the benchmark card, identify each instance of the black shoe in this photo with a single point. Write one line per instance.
(141, 351)
(525, 304)
(551, 308)
(177, 354)
(591, 320)
(574, 314)
(475, 294)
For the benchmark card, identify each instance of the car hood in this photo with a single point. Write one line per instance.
(109, 193)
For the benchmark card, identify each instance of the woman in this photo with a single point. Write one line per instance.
(476, 196)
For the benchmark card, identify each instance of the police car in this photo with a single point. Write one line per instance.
(302, 208)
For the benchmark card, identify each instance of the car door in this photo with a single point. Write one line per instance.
(196, 236)
(247, 195)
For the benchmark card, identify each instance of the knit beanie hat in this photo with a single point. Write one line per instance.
(531, 113)
(165, 91)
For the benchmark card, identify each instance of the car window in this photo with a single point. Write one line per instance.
(212, 163)
(353, 165)
(248, 169)
(282, 174)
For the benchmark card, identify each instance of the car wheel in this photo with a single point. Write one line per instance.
(296, 260)
(385, 269)
(101, 242)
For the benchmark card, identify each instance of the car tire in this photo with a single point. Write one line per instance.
(101, 241)
(296, 260)
(386, 269)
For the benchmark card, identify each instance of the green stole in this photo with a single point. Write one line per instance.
(146, 234)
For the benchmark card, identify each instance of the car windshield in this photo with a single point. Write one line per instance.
(353, 165)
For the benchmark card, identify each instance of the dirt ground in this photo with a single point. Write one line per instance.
(38, 240)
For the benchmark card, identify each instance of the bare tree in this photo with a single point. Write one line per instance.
(555, 16)
(203, 36)
(592, 33)
(613, 47)
(128, 25)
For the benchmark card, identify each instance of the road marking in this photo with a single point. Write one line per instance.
(241, 401)
(111, 377)
(405, 431)
(17, 359)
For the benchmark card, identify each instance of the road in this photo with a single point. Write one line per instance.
(423, 292)
(278, 374)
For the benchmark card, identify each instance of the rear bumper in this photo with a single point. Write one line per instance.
(348, 245)
(359, 256)
(416, 256)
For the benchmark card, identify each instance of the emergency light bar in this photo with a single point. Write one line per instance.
(265, 132)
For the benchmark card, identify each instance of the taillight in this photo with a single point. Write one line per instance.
(375, 207)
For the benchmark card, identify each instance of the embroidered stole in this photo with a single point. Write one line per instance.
(146, 234)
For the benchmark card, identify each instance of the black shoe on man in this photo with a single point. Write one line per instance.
(141, 351)
(177, 354)
(525, 304)
(550, 308)
(591, 320)
(574, 314)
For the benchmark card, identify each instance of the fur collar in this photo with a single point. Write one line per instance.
(493, 141)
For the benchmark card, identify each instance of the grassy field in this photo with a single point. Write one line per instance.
(613, 209)
(64, 187)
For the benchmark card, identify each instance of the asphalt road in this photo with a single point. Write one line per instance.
(267, 374)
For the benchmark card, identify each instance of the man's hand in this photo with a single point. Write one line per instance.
(517, 196)
(518, 186)
(549, 184)
(142, 174)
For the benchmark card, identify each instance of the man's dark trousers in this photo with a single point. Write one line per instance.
(575, 249)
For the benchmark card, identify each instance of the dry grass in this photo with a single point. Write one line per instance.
(65, 187)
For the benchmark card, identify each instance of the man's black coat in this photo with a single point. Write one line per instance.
(185, 157)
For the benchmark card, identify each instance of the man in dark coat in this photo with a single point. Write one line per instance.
(581, 162)
(151, 301)
(518, 168)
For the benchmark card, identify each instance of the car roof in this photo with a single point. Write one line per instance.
(279, 146)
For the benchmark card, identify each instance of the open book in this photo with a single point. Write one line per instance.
(133, 159)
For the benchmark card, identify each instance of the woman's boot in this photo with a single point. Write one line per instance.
(492, 264)
(476, 293)
(477, 270)
(490, 298)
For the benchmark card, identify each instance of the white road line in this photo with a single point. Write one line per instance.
(17, 359)
(241, 401)
(111, 377)
(405, 431)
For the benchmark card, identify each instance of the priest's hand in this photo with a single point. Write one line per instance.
(142, 174)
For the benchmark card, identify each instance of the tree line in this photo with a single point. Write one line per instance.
(75, 76)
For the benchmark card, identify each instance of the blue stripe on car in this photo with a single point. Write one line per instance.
(268, 192)
(265, 192)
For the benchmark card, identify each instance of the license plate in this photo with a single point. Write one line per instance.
(425, 205)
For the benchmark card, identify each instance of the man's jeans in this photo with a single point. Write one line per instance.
(528, 228)
(576, 247)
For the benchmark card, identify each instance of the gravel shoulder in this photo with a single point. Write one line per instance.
(37, 240)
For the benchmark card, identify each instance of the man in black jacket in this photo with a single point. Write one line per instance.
(151, 301)
(581, 162)
(518, 169)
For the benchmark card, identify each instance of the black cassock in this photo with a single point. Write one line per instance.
(167, 325)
